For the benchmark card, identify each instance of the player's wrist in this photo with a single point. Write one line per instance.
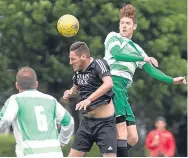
(89, 99)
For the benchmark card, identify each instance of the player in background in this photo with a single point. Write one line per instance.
(92, 79)
(160, 142)
(33, 116)
(123, 57)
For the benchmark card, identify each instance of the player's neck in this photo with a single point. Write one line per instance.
(87, 63)
(161, 129)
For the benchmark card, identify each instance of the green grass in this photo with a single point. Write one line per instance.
(7, 147)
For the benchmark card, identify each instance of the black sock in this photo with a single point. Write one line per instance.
(122, 150)
(129, 146)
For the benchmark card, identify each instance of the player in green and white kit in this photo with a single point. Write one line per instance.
(123, 57)
(33, 116)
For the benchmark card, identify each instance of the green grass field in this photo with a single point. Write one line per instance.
(7, 147)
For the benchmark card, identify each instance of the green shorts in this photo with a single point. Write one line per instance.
(122, 106)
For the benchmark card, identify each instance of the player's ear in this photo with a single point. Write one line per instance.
(83, 57)
(36, 84)
(135, 26)
(17, 86)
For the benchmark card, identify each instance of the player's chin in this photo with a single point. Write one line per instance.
(75, 69)
(124, 34)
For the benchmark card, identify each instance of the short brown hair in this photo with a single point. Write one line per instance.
(26, 78)
(80, 48)
(128, 11)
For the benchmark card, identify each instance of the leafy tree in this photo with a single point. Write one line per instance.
(29, 37)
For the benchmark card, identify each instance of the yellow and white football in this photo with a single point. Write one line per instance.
(68, 25)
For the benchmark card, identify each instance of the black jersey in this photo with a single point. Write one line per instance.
(89, 80)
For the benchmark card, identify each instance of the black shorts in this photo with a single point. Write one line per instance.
(120, 119)
(99, 130)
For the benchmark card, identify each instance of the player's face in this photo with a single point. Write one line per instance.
(126, 27)
(160, 125)
(76, 61)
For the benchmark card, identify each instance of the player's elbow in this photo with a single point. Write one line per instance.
(110, 84)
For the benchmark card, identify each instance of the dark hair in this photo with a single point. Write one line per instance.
(128, 11)
(160, 118)
(26, 78)
(80, 48)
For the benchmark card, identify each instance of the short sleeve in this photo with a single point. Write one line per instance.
(141, 63)
(102, 68)
(111, 40)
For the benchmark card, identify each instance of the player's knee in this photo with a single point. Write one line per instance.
(133, 140)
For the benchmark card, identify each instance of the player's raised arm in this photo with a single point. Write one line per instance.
(159, 75)
(8, 113)
(67, 124)
(113, 44)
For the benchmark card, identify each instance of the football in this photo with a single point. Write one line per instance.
(68, 25)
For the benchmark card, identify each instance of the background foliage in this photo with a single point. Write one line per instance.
(29, 37)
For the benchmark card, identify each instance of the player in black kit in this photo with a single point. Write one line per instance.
(92, 80)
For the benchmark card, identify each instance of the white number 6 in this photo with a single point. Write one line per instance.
(41, 119)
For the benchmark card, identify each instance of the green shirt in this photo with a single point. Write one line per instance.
(122, 68)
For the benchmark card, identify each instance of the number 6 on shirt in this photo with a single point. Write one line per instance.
(41, 118)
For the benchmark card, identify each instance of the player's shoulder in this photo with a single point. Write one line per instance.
(112, 35)
(152, 132)
(167, 132)
(33, 93)
(100, 62)
(47, 96)
(12, 97)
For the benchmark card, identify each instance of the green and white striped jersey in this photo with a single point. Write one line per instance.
(33, 116)
(119, 68)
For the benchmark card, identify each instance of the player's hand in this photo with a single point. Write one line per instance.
(156, 141)
(152, 61)
(67, 94)
(180, 80)
(83, 104)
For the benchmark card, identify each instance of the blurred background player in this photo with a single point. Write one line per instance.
(160, 142)
(123, 57)
(93, 81)
(33, 116)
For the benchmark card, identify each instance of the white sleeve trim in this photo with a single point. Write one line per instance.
(66, 133)
(102, 66)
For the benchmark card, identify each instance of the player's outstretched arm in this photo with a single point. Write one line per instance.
(157, 74)
(119, 56)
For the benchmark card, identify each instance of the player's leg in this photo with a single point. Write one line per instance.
(83, 140)
(76, 153)
(121, 127)
(132, 135)
(120, 102)
(105, 136)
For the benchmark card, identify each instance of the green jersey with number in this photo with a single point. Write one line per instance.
(33, 116)
(120, 68)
